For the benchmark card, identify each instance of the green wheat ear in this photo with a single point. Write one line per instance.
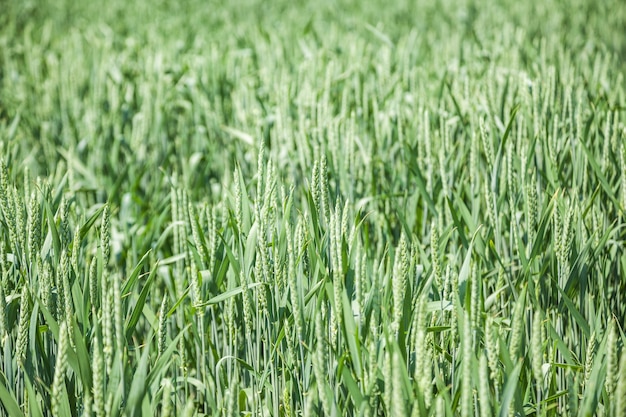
(399, 278)
(105, 234)
(484, 391)
(98, 375)
(59, 394)
(612, 365)
(620, 394)
(22, 327)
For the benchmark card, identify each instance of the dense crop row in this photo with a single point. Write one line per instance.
(287, 210)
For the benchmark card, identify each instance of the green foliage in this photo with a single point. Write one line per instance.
(324, 208)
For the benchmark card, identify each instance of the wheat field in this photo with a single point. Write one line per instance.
(313, 209)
